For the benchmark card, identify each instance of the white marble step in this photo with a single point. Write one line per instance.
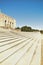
(11, 44)
(12, 49)
(25, 51)
(26, 59)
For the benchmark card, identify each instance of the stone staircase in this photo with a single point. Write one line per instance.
(20, 48)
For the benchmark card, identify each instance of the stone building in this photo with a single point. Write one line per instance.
(7, 21)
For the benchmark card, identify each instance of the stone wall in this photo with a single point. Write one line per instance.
(6, 21)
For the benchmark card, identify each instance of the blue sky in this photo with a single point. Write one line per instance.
(26, 12)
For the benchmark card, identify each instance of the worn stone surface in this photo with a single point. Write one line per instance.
(42, 51)
(20, 48)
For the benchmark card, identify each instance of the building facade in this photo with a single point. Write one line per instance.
(7, 21)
